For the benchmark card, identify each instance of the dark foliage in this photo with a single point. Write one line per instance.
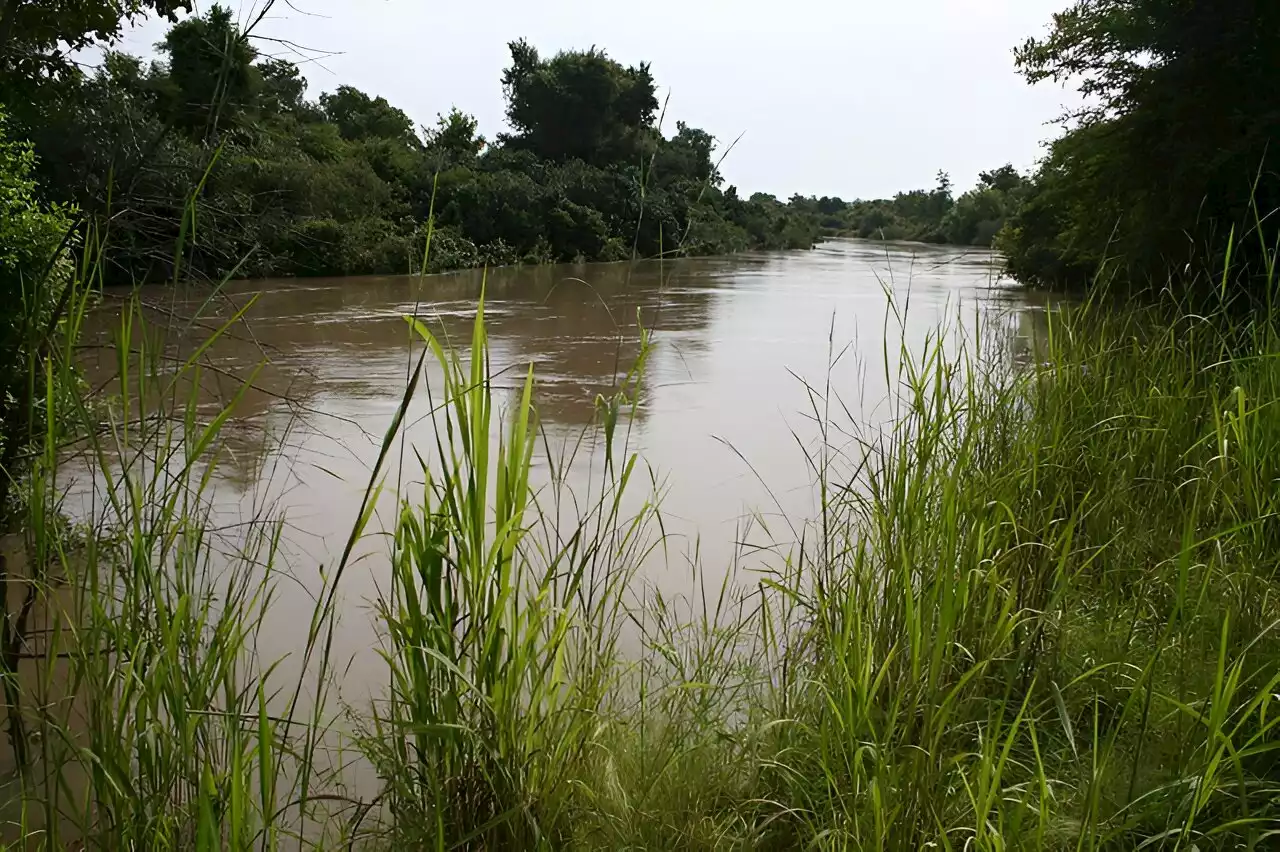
(212, 161)
(38, 37)
(1176, 150)
(931, 216)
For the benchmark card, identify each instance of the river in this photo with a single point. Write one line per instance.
(742, 349)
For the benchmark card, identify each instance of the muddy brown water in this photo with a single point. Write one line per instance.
(741, 349)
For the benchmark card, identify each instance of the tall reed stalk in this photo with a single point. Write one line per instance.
(140, 714)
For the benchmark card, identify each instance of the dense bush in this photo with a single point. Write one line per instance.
(1175, 150)
(34, 270)
(213, 158)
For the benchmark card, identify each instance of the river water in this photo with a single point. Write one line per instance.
(741, 348)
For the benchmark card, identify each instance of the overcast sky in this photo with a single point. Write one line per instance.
(831, 97)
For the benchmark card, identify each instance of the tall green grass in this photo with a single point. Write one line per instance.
(501, 645)
(1037, 611)
(140, 714)
(1044, 613)
(1040, 614)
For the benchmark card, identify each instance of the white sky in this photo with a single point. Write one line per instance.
(856, 99)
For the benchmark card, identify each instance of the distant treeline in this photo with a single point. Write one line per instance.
(212, 159)
(930, 216)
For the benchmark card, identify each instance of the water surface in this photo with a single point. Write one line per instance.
(745, 351)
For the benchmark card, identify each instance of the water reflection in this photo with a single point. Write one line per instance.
(579, 326)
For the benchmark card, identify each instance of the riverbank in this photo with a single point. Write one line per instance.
(1037, 611)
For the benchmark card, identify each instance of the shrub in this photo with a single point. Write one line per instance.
(34, 269)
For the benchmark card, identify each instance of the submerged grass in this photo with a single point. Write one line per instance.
(1039, 612)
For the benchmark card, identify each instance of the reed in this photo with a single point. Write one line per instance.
(1038, 611)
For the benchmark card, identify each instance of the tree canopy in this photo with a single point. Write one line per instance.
(579, 105)
(210, 77)
(37, 37)
(1174, 149)
(360, 117)
(281, 184)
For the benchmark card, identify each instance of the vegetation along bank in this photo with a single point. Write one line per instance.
(1040, 610)
(211, 133)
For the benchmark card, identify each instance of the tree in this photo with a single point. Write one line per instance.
(687, 157)
(976, 217)
(1006, 179)
(38, 37)
(925, 210)
(579, 105)
(830, 206)
(360, 117)
(1176, 147)
(944, 185)
(210, 76)
(282, 87)
(454, 139)
(33, 271)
